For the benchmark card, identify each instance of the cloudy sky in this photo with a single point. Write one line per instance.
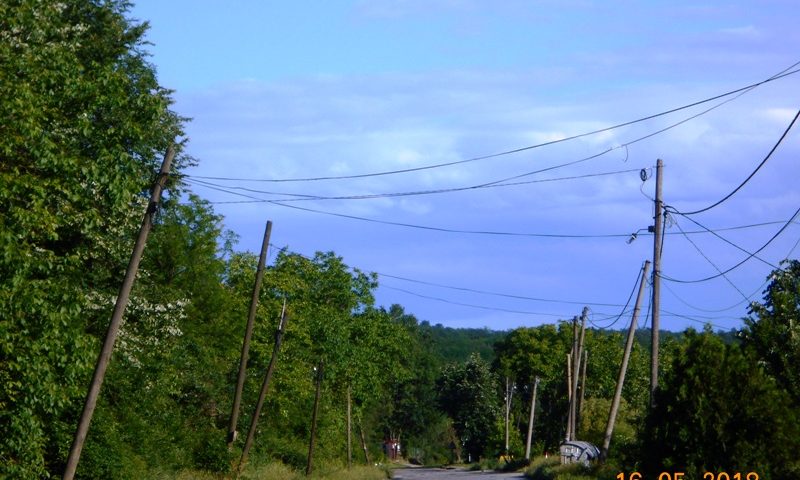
(435, 89)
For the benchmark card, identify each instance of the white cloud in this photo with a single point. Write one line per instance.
(748, 31)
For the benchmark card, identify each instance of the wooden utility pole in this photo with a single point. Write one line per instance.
(363, 443)
(569, 396)
(612, 415)
(349, 428)
(509, 395)
(530, 420)
(658, 238)
(583, 387)
(576, 363)
(310, 463)
(251, 433)
(116, 319)
(248, 333)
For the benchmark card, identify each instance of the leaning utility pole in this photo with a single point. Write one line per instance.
(349, 427)
(363, 443)
(583, 387)
(251, 432)
(248, 333)
(312, 441)
(509, 395)
(116, 319)
(530, 420)
(612, 415)
(658, 239)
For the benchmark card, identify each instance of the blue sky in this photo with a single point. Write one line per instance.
(287, 90)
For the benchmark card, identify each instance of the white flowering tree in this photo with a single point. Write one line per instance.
(83, 125)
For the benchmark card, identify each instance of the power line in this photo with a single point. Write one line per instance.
(451, 230)
(306, 197)
(710, 262)
(466, 289)
(643, 322)
(786, 72)
(504, 182)
(722, 238)
(629, 143)
(720, 310)
(505, 295)
(789, 222)
(748, 298)
(481, 307)
(624, 309)
(706, 320)
(791, 124)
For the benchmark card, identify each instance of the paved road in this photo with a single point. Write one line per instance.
(450, 474)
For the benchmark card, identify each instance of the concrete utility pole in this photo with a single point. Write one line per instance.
(251, 432)
(612, 415)
(530, 420)
(248, 333)
(116, 319)
(658, 238)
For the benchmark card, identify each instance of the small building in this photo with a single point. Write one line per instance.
(576, 451)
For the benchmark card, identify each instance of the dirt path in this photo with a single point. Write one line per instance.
(450, 474)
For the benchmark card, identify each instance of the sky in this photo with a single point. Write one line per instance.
(518, 198)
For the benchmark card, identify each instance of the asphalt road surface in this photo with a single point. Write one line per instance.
(450, 474)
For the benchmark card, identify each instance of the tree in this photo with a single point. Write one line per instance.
(410, 409)
(772, 330)
(717, 411)
(468, 394)
(83, 126)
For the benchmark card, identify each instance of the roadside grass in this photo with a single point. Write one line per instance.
(279, 471)
(551, 469)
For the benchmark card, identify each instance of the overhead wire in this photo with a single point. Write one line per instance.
(702, 254)
(772, 150)
(706, 320)
(723, 239)
(624, 308)
(786, 225)
(784, 73)
(461, 231)
(464, 289)
(643, 322)
(471, 305)
(504, 182)
(747, 299)
(307, 197)
(484, 292)
(631, 142)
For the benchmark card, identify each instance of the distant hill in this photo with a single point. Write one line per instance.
(456, 344)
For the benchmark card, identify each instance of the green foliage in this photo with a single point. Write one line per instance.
(83, 125)
(468, 394)
(772, 330)
(594, 417)
(458, 344)
(530, 352)
(718, 411)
